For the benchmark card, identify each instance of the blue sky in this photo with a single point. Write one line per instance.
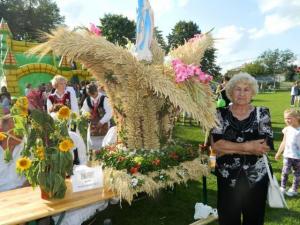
(243, 28)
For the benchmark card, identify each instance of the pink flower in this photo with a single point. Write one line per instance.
(95, 30)
(184, 72)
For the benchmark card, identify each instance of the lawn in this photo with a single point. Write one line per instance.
(176, 207)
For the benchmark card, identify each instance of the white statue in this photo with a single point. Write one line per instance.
(144, 30)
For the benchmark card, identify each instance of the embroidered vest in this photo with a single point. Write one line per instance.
(65, 99)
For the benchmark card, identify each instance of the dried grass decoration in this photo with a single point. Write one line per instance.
(145, 97)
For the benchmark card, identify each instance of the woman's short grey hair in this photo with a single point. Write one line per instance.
(56, 79)
(239, 78)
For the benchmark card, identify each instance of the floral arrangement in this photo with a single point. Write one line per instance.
(46, 158)
(183, 72)
(130, 172)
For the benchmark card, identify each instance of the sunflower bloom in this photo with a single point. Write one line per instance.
(2, 136)
(40, 151)
(23, 112)
(23, 163)
(64, 113)
(70, 143)
(22, 102)
(66, 145)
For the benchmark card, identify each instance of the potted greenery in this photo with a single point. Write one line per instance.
(46, 158)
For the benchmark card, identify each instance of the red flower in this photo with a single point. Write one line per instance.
(173, 155)
(134, 170)
(156, 162)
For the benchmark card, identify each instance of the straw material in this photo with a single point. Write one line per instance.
(192, 52)
(138, 91)
(121, 182)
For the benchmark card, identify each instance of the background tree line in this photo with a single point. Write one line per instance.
(27, 18)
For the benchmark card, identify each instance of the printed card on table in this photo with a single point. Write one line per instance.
(86, 178)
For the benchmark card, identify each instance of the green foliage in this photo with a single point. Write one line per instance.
(50, 163)
(182, 32)
(26, 18)
(145, 161)
(255, 69)
(291, 73)
(208, 63)
(117, 29)
(160, 39)
(277, 61)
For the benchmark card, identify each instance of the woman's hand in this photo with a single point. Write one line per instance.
(257, 147)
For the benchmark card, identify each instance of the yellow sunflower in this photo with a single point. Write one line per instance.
(40, 151)
(23, 112)
(23, 163)
(2, 136)
(65, 145)
(64, 113)
(22, 102)
(70, 143)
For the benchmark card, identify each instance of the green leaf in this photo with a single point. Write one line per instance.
(7, 155)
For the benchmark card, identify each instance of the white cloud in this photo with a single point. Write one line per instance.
(229, 44)
(78, 12)
(228, 39)
(279, 16)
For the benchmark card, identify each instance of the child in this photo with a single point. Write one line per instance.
(290, 147)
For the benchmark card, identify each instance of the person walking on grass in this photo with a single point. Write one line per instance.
(290, 147)
(294, 92)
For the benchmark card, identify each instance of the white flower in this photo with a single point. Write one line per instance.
(134, 182)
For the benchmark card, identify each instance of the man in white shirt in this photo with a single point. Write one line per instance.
(101, 113)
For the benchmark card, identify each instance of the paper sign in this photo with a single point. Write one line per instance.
(86, 178)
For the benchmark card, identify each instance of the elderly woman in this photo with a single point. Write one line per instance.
(62, 95)
(242, 137)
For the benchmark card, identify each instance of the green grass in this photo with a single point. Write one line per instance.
(176, 207)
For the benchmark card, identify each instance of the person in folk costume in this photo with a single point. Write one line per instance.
(62, 95)
(101, 113)
(37, 98)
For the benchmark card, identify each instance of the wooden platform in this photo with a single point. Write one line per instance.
(25, 204)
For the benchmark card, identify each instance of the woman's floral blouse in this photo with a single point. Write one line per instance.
(230, 166)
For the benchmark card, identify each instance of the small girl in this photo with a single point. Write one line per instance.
(290, 147)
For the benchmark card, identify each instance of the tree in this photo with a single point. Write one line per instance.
(277, 61)
(208, 63)
(116, 28)
(26, 18)
(255, 69)
(159, 37)
(182, 32)
(291, 73)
